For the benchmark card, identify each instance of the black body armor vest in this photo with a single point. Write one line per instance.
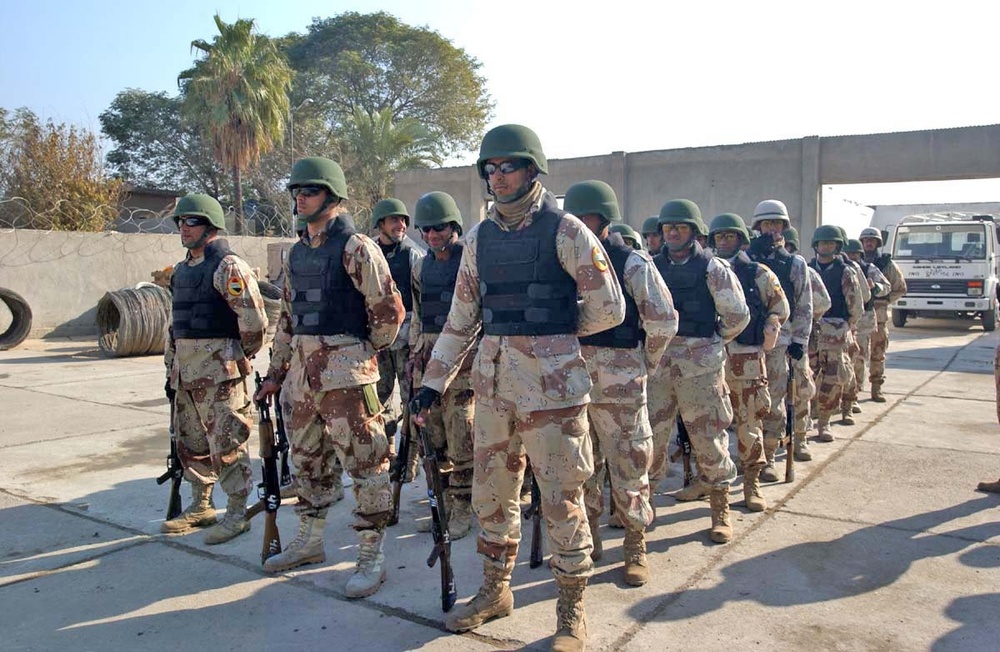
(628, 334)
(780, 262)
(199, 311)
(833, 279)
(753, 334)
(399, 268)
(437, 286)
(689, 287)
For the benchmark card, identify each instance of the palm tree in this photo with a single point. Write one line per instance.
(238, 94)
(374, 147)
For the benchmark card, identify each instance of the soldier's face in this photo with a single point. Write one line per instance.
(854, 255)
(309, 200)
(775, 227)
(192, 235)
(726, 242)
(870, 245)
(676, 236)
(393, 227)
(654, 242)
(436, 239)
(790, 248)
(508, 183)
(826, 248)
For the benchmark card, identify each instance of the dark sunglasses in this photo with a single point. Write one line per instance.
(506, 167)
(307, 191)
(437, 228)
(192, 221)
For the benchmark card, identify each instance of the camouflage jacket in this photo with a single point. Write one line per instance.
(835, 333)
(769, 289)
(619, 375)
(897, 289)
(534, 373)
(193, 363)
(880, 288)
(821, 298)
(695, 356)
(322, 363)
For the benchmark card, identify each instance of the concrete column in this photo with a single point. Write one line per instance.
(809, 215)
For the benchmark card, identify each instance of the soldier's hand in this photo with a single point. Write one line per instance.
(761, 246)
(795, 350)
(169, 391)
(422, 402)
(268, 389)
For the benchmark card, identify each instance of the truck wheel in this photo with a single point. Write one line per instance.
(899, 318)
(989, 318)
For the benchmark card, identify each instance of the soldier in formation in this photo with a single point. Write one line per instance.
(880, 288)
(871, 240)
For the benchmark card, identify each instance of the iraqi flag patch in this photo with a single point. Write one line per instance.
(235, 286)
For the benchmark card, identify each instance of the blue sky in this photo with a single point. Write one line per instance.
(590, 78)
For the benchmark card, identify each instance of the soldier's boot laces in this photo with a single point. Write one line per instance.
(802, 452)
(460, 517)
(200, 513)
(571, 631)
(877, 394)
(595, 535)
(233, 524)
(697, 490)
(636, 568)
(752, 496)
(369, 573)
(306, 548)
(991, 487)
(768, 473)
(494, 600)
(722, 529)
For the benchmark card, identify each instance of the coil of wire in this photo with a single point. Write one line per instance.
(133, 321)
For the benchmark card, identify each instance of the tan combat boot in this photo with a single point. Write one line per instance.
(846, 417)
(855, 408)
(802, 453)
(823, 433)
(369, 571)
(307, 548)
(769, 473)
(200, 513)
(752, 496)
(595, 535)
(722, 529)
(636, 568)
(697, 490)
(233, 524)
(460, 517)
(571, 620)
(494, 600)
(877, 394)
(338, 488)
(991, 487)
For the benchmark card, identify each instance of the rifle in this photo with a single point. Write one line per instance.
(282, 448)
(790, 423)
(534, 512)
(174, 472)
(399, 472)
(439, 520)
(269, 489)
(684, 445)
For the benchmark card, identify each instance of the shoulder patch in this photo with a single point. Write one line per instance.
(235, 286)
(597, 255)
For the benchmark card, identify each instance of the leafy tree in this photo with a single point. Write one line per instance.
(156, 147)
(370, 63)
(57, 173)
(238, 94)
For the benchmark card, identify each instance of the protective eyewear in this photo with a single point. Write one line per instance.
(307, 191)
(192, 221)
(506, 167)
(437, 228)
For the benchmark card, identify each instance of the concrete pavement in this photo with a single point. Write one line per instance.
(881, 543)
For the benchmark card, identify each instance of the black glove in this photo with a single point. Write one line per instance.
(425, 398)
(169, 391)
(795, 350)
(761, 246)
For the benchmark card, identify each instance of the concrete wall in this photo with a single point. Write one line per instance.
(733, 178)
(63, 275)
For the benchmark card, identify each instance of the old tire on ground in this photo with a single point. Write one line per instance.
(20, 326)
(899, 318)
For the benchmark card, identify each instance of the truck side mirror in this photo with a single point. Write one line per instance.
(885, 236)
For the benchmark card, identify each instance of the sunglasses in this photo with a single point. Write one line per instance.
(307, 191)
(192, 221)
(437, 228)
(506, 167)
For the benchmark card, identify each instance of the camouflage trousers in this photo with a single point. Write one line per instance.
(833, 372)
(212, 425)
(622, 438)
(392, 370)
(559, 446)
(703, 402)
(805, 390)
(859, 355)
(879, 345)
(777, 381)
(449, 426)
(748, 391)
(340, 427)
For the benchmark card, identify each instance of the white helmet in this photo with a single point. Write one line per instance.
(770, 209)
(871, 232)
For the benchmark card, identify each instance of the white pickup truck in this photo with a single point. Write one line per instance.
(950, 264)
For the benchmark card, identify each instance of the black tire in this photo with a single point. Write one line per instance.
(989, 318)
(899, 317)
(21, 325)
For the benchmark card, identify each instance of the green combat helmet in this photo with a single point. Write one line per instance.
(828, 232)
(388, 207)
(729, 222)
(791, 234)
(628, 234)
(702, 228)
(319, 171)
(770, 209)
(854, 247)
(651, 225)
(512, 141)
(681, 211)
(436, 208)
(592, 198)
(200, 205)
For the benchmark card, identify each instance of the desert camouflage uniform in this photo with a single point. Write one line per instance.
(328, 391)
(531, 397)
(879, 287)
(833, 339)
(212, 410)
(619, 420)
(450, 422)
(805, 386)
(695, 385)
(746, 372)
(880, 336)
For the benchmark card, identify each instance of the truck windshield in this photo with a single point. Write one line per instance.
(940, 241)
